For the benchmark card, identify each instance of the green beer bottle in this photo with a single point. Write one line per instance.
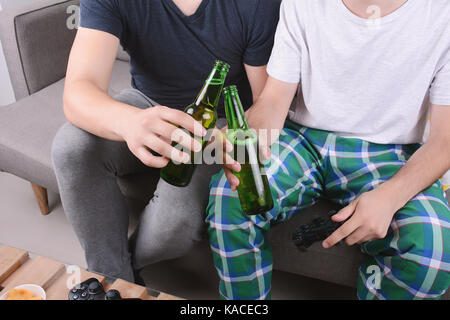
(204, 111)
(254, 192)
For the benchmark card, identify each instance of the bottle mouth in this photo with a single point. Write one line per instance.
(223, 66)
(241, 136)
(230, 89)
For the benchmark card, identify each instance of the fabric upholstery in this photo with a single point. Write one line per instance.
(338, 264)
(36, 43)
(122, 55)
(27, 129)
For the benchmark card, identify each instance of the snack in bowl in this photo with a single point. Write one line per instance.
(25, 292)
(21, 294)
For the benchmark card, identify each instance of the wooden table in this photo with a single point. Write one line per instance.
(17, 268)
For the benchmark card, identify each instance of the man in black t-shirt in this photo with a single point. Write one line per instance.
(172, 45)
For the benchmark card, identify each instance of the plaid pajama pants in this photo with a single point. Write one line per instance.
(414, 257)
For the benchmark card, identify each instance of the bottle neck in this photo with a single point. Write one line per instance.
(235, 112)
(212, 89)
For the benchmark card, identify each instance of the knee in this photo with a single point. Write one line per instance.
(218, 188)
(163, 244)
(224, 211)
(71, 146)
(425, 249)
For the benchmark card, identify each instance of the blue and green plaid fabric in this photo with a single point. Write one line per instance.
(309, 164)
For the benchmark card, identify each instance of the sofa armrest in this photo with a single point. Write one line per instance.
(36, 42)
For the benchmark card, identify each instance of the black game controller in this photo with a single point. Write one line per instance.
(317, 230)
(92, 289)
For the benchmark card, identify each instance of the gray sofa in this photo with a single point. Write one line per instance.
(36, 43)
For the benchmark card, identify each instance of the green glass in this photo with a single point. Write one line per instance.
(254, 191)
(204, 111)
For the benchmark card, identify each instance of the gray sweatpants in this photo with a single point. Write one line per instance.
(86, 168)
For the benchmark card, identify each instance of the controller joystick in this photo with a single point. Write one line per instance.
(95, 287)
(113, 295)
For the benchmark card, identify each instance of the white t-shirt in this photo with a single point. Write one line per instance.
(368, 79)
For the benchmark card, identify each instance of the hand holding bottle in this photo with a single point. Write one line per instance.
(154, 129)
(230, 165)
(203, 110)
(253, 184)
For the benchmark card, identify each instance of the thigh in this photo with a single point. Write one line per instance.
(422, 224)
(173, 221)
(75, 150)
(415, 255)
(177, 209)
(116, 156)
(294, 173)
(239, 243)
(356, 166)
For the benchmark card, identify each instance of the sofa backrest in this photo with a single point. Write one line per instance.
(36, 42)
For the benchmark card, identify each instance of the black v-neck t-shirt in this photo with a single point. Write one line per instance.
(172, 54)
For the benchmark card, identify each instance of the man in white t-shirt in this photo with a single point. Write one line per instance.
(367, 73)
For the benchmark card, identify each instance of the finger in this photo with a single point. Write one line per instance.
(183, 120)
(214, 136)
(265, 152)
(345, 213)
(341, 233)
(221, 138)
(232, 179)
(228, 146)
(169, 132)
(150, 160)
(265, 140)
(166, 150)
(356, 236)
(230, 163)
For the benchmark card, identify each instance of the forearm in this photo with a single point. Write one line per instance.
(424, 168)
(270, 111)
(93, 110)
(264, 115)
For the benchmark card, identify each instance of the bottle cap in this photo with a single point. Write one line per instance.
(222, 65)
(230, 89)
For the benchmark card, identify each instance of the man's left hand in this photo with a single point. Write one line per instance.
(369, 218)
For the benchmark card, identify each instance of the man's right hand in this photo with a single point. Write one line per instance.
(88, 106)
(155, 129)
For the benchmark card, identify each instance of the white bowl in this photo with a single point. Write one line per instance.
(37, 291)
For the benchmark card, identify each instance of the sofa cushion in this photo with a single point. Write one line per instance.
(26, 131)
(122, 55)
(28, 126)
(338, 264)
